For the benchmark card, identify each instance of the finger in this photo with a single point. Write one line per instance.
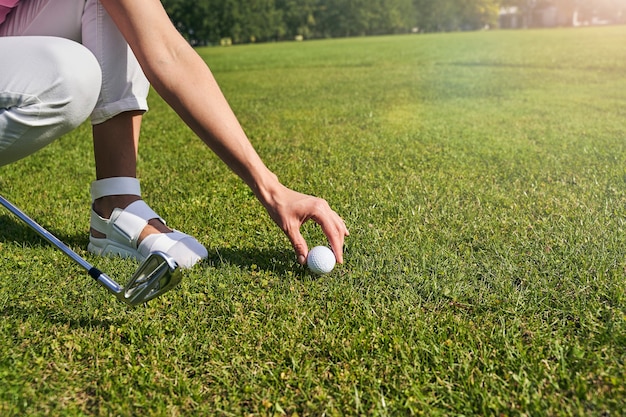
(336, 244)
(299, 245)
(335, 230)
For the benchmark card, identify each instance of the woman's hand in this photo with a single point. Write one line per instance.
(291, 209)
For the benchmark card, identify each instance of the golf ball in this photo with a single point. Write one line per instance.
(321, 260)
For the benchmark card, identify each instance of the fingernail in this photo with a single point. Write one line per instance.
(301, 259)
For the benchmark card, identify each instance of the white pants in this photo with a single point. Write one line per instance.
(62, 61)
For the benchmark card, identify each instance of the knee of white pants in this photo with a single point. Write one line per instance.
(77, 84)
(44, 93)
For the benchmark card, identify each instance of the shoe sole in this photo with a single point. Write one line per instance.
(110, 249)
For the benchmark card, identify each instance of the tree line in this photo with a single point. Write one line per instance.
(240, 21)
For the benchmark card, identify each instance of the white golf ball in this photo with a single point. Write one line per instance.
(321, 260)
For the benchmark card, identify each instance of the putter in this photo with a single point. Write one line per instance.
(157, 274)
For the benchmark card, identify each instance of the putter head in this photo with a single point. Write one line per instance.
(157, 274)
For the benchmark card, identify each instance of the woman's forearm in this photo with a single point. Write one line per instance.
(203, 107)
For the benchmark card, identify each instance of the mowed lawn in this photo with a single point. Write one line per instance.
(483, 179)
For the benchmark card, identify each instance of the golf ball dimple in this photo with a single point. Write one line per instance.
(321, 260)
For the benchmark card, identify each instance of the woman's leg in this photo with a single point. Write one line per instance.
(123, 87)
(116, 127)
(48, 86)
(117, 117)
(116, 156)
(116, 123)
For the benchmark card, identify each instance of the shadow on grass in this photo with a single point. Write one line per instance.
(22, 306)
(279, 261)
(13, 229)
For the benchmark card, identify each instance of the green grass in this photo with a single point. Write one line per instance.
(483, 180)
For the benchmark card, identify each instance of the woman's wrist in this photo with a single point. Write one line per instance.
(266, 188)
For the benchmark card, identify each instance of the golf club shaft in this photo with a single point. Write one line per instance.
(94, 272)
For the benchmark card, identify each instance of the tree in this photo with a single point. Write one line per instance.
(258, 20)
(450, 15)
(298, 17)
(392, 16)
(208, 21)
(195, 20)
